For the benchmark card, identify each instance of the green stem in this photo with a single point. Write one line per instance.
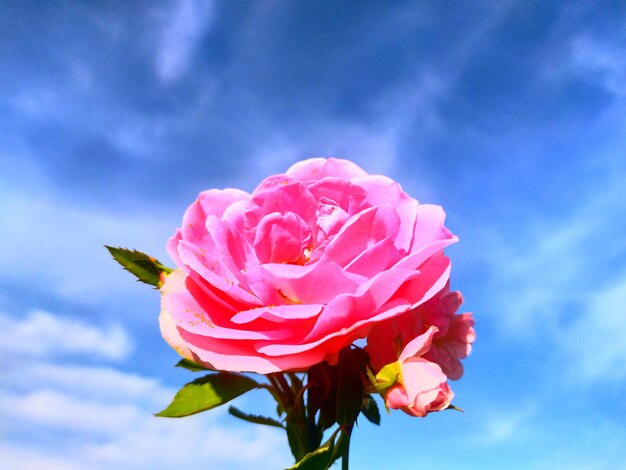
(298, 411)
(346, 457)
(287, 391)
(289, 396)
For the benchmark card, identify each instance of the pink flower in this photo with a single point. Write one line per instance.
(289, 275)
(451, 342)
(423, 387)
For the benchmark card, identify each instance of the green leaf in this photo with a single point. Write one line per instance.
(316, 460)
(350, 389)
(237, 413)
(323, 457)
(206, 393)
(146, 268)
(369, 408)
(190, 365)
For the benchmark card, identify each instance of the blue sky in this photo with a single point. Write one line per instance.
(512, 115)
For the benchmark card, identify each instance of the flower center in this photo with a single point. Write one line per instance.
(283, 238)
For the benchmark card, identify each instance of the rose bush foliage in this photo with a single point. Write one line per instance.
(312, 260)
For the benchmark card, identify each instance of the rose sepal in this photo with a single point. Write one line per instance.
(190, 365)
(386, 378)
(146, 268)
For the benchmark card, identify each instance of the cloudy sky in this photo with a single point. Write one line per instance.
(512, 115)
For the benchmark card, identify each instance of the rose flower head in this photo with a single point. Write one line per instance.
(289, 275)
(414, 354)
(419, 386)
(452, 340)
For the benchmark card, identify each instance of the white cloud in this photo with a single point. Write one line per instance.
(562, 278)
(139, 136)
(409, 110)
(128, 436)
(24, 458)
(601, 56)
(596, 340)
(62, 412)
(105, 384)
(43, 334)
(188, 23)
(191, 442)
(599, 445)
(537, 273)
(375, 149)
(107, 411)
(58, 245)
(375, 146)
(500, 426)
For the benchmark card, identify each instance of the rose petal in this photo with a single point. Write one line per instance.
(315, 169)
(349, 197)
(211, 202)
(421, 376)
(284, 283)
(349, 313)
(377, 258)
(397, 398)
(282, 238)
(361, 232)
(382, 190)
(214, 272)
(418, 346)
(229, 245)
(451, 301)
(290, 197)
(429, 227)
(330, 218)
(279, 313)
(172, 248)
(170, 334)
(242, 356)
(191, 311)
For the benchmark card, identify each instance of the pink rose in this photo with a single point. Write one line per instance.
(289, 275)
(451, 342)
(423, 387)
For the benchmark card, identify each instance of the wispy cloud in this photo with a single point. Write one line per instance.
(128, 436)
(24, 457)
(189, 21)
(593, 55)
(108, 410)
(57, 244)
(42, 334)
(559, 280)
(376, 145)
(501, 426)
(596, 340)
(101, 383)
(62, 412)
(538, 273)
